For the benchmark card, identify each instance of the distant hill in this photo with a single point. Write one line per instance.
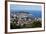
(34, 13)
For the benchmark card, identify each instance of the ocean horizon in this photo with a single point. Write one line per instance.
(34, 13)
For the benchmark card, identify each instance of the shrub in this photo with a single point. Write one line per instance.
(36, 24)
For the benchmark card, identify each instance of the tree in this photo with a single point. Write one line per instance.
(36, 24)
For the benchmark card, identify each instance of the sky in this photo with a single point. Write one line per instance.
(32, 9)
(14, 7)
